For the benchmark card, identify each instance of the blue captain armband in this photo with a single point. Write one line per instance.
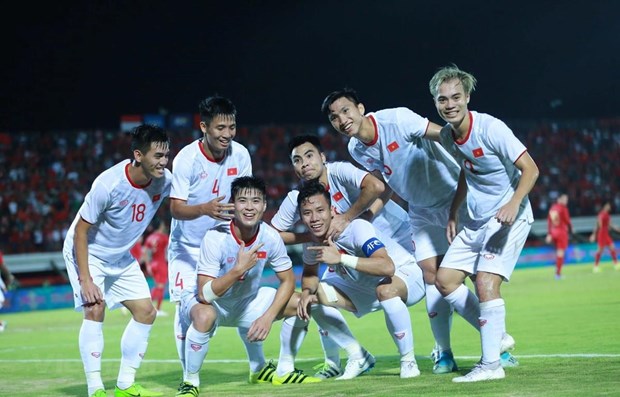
(371, 246)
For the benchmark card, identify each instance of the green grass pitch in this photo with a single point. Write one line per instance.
(567, 333)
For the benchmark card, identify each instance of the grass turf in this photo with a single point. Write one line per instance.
(566, 333)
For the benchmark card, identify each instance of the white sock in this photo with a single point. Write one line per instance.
(90, 341)
(492, 320)
(196, 349)
(254, 350)
(331, 350)
(134, 342)
(292, 335)
(398, 322)
(330, 320)
(180, 332)
(466, 304)
(440, 316)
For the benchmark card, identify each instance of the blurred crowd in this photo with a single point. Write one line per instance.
(44, 176)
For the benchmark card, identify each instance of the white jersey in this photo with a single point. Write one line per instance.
(419, 170)
(218, 255)
(119, 212)
(198, 179)
(361, 239)
(344, 186)
(487, 154)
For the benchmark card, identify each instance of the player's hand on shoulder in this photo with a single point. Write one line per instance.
(338, 224)
(218, 209)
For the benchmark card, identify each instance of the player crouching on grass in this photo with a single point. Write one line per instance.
(232, 258)
(368, 272)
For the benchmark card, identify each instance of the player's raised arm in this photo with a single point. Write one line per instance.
(215, 208)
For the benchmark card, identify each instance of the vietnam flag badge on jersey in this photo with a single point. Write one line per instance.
(261, 254)
(393, 146)
(231, 171)
(478, 152)
(156, 198)
(338, 196)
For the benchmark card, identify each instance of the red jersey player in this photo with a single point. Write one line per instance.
(603, 238)
(155, 251)
(559, 226)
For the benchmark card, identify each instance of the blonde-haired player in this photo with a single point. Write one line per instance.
(497, 173)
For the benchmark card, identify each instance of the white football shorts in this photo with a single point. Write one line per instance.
(491, 248)
(118, 284)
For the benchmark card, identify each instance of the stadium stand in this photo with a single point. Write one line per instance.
(45, 175)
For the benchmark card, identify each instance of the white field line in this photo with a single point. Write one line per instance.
(208, 361)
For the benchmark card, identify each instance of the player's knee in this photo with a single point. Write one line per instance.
(94, 312)
(293, 302)
(429, 277)
(386, 291)
(446, 284)
(144, 314)
(203, 318)
(487, 286)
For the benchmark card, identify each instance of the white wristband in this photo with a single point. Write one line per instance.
(349, 260)
(208, 293)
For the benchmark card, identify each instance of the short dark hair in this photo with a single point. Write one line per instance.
(310, 189)
(216, 106)
(143, 135)
(247, 182)
(348, 93)
(301, 139)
